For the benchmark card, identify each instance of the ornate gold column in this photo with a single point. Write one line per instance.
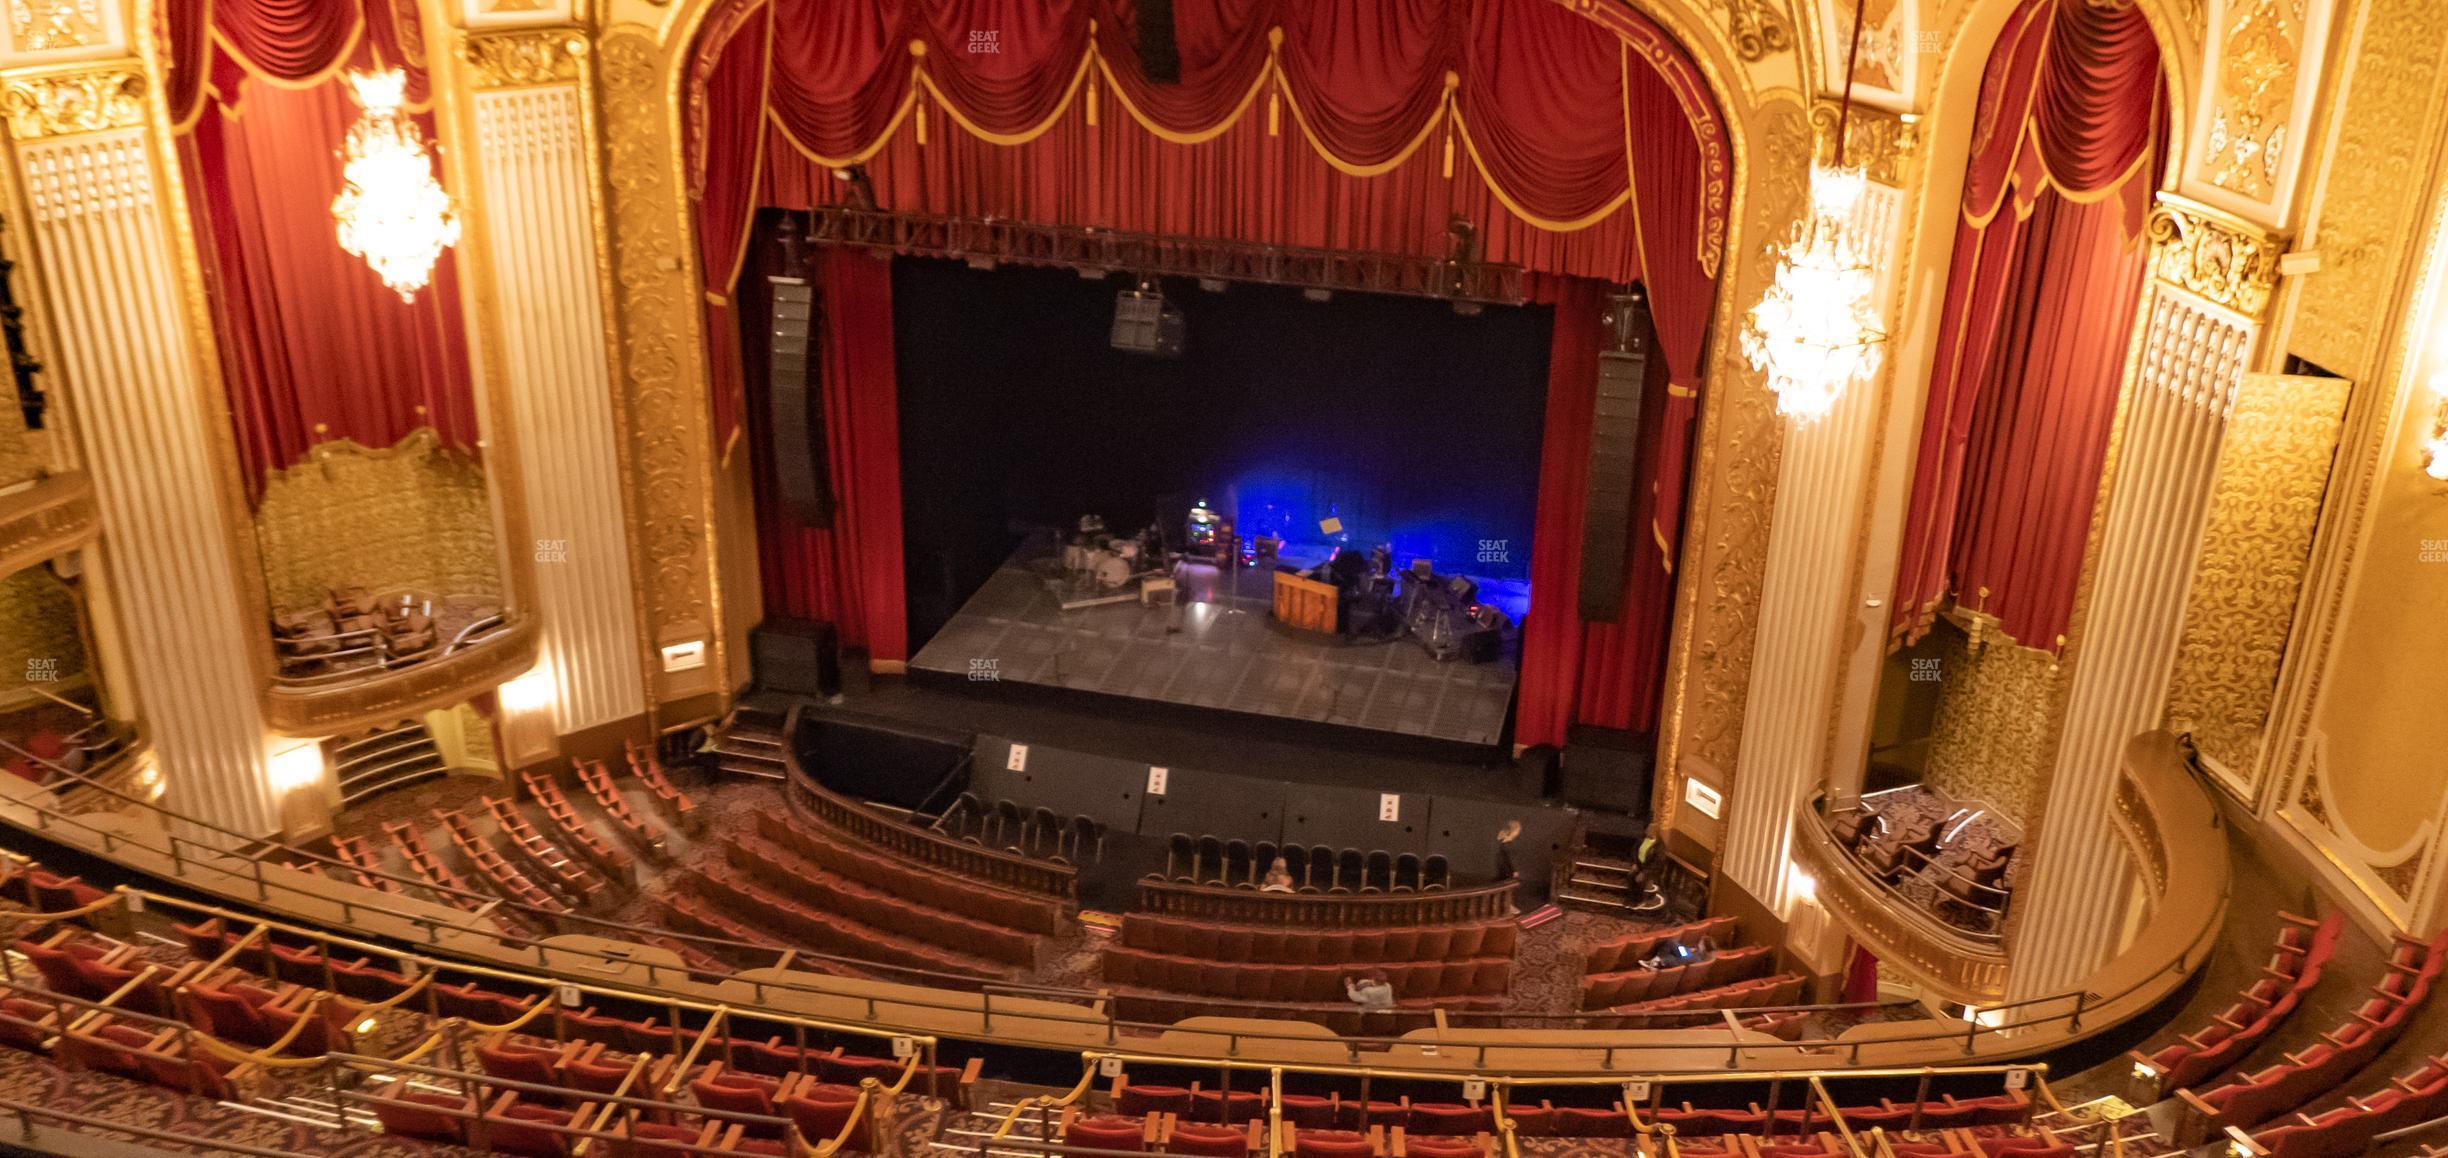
(1806, 597)
(544, 284)
(102, 241)
(2212, 277)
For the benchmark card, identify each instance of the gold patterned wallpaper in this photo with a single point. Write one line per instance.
(410, 516)
(39, 640)
(1993, 738)
(2256, 542)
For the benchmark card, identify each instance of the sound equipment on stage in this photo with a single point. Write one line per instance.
(792, 403)
(798, 656)
(1144, 323)
(1606, 535)
(1607, 769)
(1537, 773)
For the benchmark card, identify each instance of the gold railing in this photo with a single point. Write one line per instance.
(1445, 906)
(390, 695)
(1964, 969)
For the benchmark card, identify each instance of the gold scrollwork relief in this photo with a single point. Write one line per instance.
(524, 57)
(2199, 250)
(1757, 28)
(2249, 112)
(1878, 141)
(87, 100)
(51, 25)
(2256, 545)
(657, 298)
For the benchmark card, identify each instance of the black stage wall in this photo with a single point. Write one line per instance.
(1412, 423)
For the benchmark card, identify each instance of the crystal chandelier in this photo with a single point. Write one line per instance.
(392, 213)
(1816, 331)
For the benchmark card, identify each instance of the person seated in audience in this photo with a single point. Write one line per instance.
(1278, 878)
(1371, 990)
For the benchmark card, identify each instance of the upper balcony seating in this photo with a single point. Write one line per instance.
(636, 829)
(2303, 949)
(845, 857)
(2250, 1099)
(1220, 941)
(1628, 951)
(2348, 1130)
(888, 914)
(1628, 986)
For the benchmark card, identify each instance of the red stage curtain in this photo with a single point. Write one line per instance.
(313, 346)
(1573, 672)
(849, 573)
(1588, 148)
(2039, 308)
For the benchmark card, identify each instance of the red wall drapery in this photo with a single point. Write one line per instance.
(2032, 335)
(850, 572)
(313, 346)
(1580, 146)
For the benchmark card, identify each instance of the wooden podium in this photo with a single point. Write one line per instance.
(1305, 603)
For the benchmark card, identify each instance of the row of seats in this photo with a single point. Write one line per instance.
(2348, 1130)
(673, 803)
(496, 870)
(822, 931)
(887, 913)
(637, 830)
(570, 875)
(421, 860)
(2249, 1099)
(614, 860)
(1547, 1120)
(1629, 950)
(1630, 986)
(1758, 993)
(1221, 941)
(1480, 976)
(837, 853)
(2303, 949)
(1164, 1007)
(365, 863)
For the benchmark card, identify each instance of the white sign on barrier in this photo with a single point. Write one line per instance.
(1018, 760)
(1474, 1089)
(903, 1047)
(1389, 806)
(1110, 1067)
(1156, 780)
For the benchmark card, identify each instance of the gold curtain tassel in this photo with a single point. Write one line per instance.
(1274, 113)
(1449, 151)
(1092, 102)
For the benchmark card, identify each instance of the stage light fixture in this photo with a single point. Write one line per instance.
(1144, 323)
(1213, 285)
(862, 189)
(391, 212)
(1318, 294)
(981, 261)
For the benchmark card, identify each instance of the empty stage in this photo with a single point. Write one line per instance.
(1013, 631)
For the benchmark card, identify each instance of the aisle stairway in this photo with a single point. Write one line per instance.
(749, 743)
(1602, 884)
(385, 759)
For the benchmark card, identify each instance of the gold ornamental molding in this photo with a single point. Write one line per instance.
(83, 99)
(1954, 966)
(51, 518)
(2203, 251)
(1879, 141)
(395, 696)
(528, 56)
(2265, 503)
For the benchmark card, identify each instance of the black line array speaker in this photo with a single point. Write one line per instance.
(1606, 536)
(798, 656)
(1606, 769)
(1159, 52)
(798, 420)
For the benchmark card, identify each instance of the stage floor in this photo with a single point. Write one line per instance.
(1228, 655)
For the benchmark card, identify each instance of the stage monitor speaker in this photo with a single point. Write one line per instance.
(1615, 419)
(1607, 770)
(1144, 323)
(792, 404)
(797, 656)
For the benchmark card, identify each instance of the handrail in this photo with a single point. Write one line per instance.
(497, 619)
(1336, 910)
(1048, 1023)
(1816, 817)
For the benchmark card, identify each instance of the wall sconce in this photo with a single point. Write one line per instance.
(1802, 885)
(293, 768)
(2435, 448)
(532, 692)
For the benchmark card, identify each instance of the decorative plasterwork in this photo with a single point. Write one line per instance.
(2256, 543)
(2199, 249)
(51, 518)
(524, 57)
(83, 100)
(41, 26)
(1880, 142)
(1888, 71)
(1757, 28)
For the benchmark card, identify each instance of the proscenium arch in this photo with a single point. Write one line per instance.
(1733, 474)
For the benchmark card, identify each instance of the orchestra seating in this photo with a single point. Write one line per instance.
(2250, 1099)
(614, 861)
(574, 880)
(748, 898)
(1629, 950)
(1757, 993)
(670, 801)
(359, 855)
(1220, 941)
(958, 937)
(2303, 949)
(834, 853)
(1629, 986)
(506, 880)
(637, 830)
(1229, 863)
(1304, 984)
